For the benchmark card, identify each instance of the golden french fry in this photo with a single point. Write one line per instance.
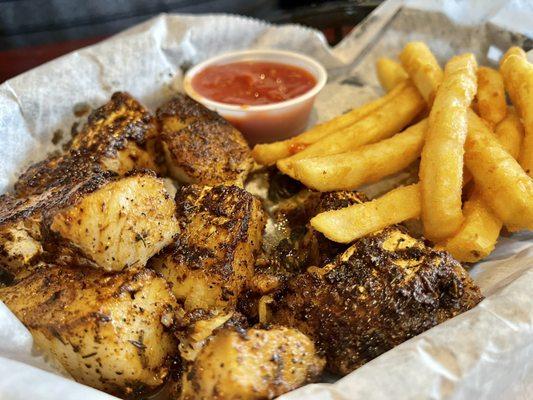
(517, 75)
(504, 185)
(353, 222)
(441, 166)
(423, 69)
(491, 105)
(513, 51)
(350, 223)
(382, 123)
(511, 82)
(390, 73)
(269, 153)
(510, 133)
(479, 233)
(404, 203)
(367, 164)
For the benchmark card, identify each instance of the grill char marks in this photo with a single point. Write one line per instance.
(23, 227)
(252, 364)
(119, 225)
(111, 126)
(212, 258)
(109, 331)
(300, 245)
(200, 146)
(384, 289)
(304, 246)
(57, 171)
(104, 221)
(119, 136)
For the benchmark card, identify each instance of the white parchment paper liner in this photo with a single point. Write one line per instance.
(485, 353)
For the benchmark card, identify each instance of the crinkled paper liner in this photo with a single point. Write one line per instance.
(485, 353)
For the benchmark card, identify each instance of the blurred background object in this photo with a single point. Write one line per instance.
(35, 31)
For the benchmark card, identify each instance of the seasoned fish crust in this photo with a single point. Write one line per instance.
(19, 250)
(212, 257)
(304, 246)
(105, 221)
(56, 171)
(252, 364)
(119, 225)
(386, 288)
(109, 331)
(20, 235)
(119, 136)
(318, 248)
(22, 222)
(200, 146)
(301, 245)
(112, 125)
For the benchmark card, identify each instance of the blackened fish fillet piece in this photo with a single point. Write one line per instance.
(384, 289)
(200, 146)
(109, 331)
(119, 136)
(105, 221)
(212, 258)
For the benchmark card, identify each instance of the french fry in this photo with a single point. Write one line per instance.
(367, 164)
(479, 233)
(269, 153)
(504, 185)
(350, 223)
(511, 82)
(423, 69)
(390, 73)
(441, 166)
(510, 133)
(382, 123)
(517, 75)
(503, 193)
(513, 51)
(491, 103)
(477, 236)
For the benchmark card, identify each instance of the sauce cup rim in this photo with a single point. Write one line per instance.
(309, 64)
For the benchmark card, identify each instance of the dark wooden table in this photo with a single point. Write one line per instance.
(16, 61)
(334, 20)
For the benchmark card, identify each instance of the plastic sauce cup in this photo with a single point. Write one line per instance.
(268, 122)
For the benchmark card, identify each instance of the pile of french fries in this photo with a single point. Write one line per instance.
(475, 150)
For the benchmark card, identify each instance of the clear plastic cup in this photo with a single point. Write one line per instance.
(269, 122)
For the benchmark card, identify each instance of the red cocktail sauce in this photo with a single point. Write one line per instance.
(252, 82)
